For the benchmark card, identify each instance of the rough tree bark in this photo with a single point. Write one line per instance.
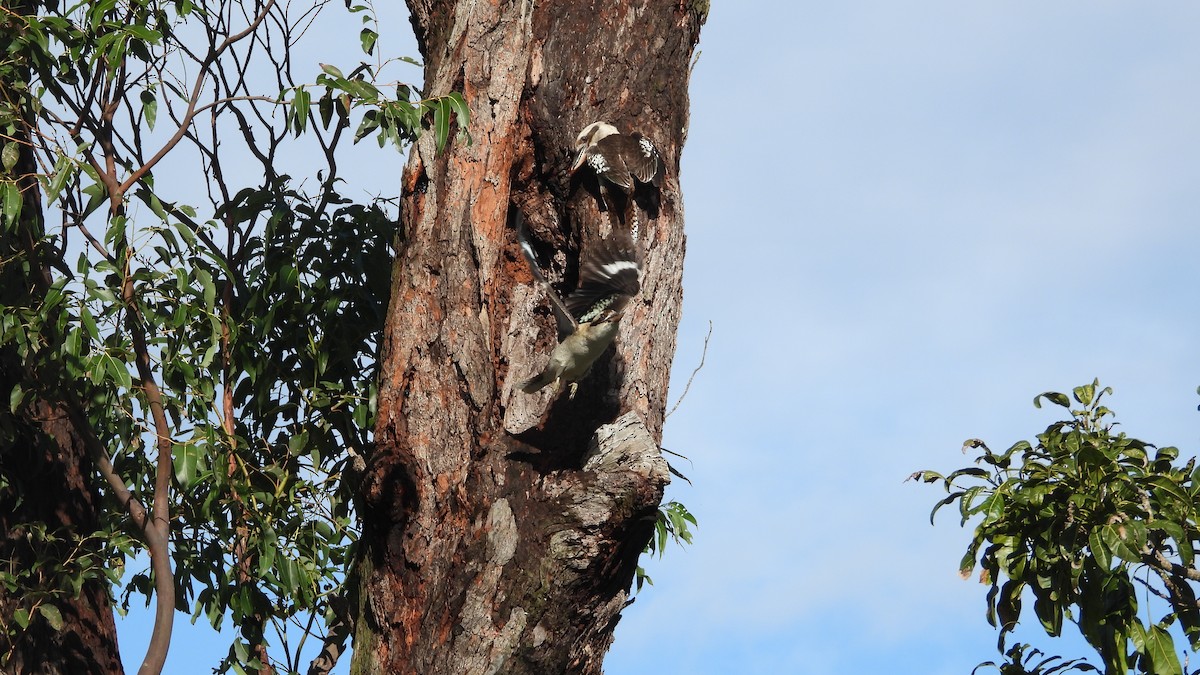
(46, 474)
(502, 529)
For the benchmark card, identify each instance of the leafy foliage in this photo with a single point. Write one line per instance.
(1022, 660)
(672, 521)
(397, 120)
(241, 334)
(1081, 521)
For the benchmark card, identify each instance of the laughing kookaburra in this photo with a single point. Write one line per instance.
(620, 160)
(587, 320)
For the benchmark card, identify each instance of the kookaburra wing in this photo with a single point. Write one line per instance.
(623, 161)
(608, 279)
(617, 158)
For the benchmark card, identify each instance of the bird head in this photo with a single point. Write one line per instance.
(587, 138)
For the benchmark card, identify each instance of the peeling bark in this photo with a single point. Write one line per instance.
(501, 529)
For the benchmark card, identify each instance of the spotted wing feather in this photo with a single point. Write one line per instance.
(607, 159)
(608, 277)
(643, 160)
(562, 316)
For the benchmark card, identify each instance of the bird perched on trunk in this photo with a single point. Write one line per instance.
(609, 277)
(620, 160)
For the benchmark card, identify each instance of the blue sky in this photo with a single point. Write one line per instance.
(904, 221)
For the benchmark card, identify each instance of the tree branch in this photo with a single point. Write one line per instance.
(337, 632)
(703, 355)
(191, 112)
(159, 525)
(1154, 558)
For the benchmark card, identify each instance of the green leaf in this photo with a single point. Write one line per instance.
(298, 443)
(185, 231)
(943, 502)
(21, 616)
(52, 616)
(186, 459)
(968, 471)
(149, 109)
(461, 113)
(15, 397)
(1160, 647)
(368, 37)
(116, 230)
(210, 354)
(325, 109)
(1085, 393)
(9, 156)
(145, 33)
(210, 289)
(267, 550)
(1054, 397)
(1049, 613)
(1117, 541)
(1164, 487)
(118, 372)
(289, 574)
(1008, 606)
(72, 347)
(967, 565)
(300, 106)
(96, 195)
(1099, 550)
(332, 70)
(89, 323)
(441, 122)
(362, 90)
(12, 202)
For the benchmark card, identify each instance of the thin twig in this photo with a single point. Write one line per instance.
(190, 114)
(688, 386)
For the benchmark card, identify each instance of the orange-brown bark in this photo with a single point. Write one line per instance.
(502, 529)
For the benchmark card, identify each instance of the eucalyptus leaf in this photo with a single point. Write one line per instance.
(9, 155)
(52, 616)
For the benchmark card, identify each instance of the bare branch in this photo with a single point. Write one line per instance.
(228, 99)
(190, 114)
(159, 528)
(1158, 561)
(332, 647)
(703, 355)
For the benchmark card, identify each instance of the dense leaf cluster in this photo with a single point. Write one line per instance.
(252, 321)
(1082, 521)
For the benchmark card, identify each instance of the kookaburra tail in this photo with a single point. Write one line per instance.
(609, 277)
(620, 160)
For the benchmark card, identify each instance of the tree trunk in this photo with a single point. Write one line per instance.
(502, 529)
(46, 474)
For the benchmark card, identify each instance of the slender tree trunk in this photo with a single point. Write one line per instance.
(502, 529)
(46, 474)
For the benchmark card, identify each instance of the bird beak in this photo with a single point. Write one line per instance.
(578, 161)
(609, 317)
